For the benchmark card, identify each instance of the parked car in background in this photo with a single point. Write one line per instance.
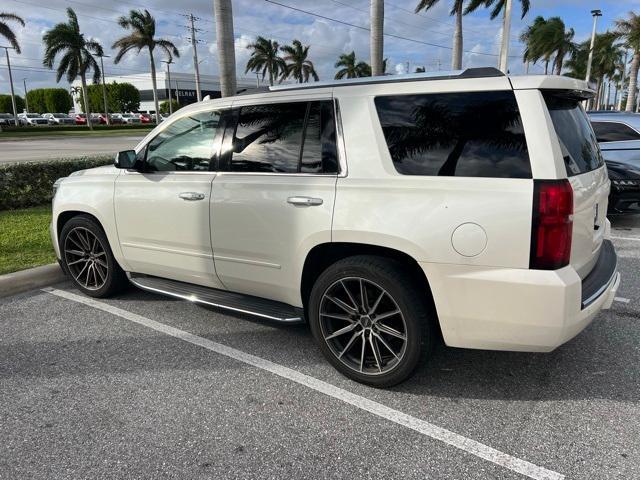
(145, 118)
(6, 119)
(385, 212)
(618, 134)
(32, 120)
(81, 119)
(130, 119)
(59, 119)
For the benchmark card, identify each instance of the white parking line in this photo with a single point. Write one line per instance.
(621, 299)
(458, 441)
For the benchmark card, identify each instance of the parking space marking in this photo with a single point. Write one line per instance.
(421, 426)
(621, 299)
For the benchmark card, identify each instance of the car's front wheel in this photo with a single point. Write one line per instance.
(88, 259)
(370, 320)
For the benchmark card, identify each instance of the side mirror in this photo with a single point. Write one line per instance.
(126, 159)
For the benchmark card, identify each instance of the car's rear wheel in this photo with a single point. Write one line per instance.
(88, 259)
(370, 320)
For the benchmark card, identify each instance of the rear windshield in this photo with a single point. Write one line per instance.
(577, 140)
(471, 134)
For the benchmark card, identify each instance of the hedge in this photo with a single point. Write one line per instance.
(7, 107)
(43, 100)
(69, 128)
(31, 184)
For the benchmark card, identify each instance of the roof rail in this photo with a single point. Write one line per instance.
(484, 72)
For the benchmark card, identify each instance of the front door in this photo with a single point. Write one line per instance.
(274, 201)
(163, 210)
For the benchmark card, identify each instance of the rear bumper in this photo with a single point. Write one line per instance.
(516, 309)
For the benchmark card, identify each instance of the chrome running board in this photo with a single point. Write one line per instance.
(236, 302)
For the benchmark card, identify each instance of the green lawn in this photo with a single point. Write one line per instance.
(80, 132)
(24, 239)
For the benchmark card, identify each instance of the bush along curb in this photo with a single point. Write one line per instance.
(26, 184)
(25, 280)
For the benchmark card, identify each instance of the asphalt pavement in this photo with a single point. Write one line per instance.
(38, 149)
(143, 386)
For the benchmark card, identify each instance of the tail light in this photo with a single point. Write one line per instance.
(552, 224)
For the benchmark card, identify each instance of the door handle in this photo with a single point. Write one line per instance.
(305, 201)
(191, 196)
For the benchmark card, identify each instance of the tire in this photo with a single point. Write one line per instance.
(378, 363)
(87, 258)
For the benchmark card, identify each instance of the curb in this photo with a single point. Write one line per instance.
(24, 280)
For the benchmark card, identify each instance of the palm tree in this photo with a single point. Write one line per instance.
(77, 55)
(143, 31)
(607, 55)
(226, 47)
(298, 65)
(5, 29)
(544, 38)
(377, 36)
(265, 59)
(499, 6)
(351, 68)
(457, 10)
(629, 30)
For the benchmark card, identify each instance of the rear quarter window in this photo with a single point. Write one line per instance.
(577, 139)
(471, 134)
(613, 132)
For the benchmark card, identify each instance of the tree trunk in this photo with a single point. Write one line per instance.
(270, 75)
(558, 63)
(546, 67)
(377, 32)
(85, 97)
(226, 47)
(506, 33)
(596, 102)
(633, 82)
(154, 85)
(615, 96)
(456, 55)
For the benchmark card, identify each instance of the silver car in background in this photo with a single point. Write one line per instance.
(618, 134)
(59, 119)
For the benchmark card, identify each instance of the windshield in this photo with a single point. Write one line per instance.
(32, 115)
(59, 115)
(578, 142)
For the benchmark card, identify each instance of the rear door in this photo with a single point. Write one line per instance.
(274, 199)
(586, 172)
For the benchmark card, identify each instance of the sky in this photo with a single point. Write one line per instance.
(328, 38)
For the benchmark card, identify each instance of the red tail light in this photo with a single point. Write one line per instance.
(552, 224)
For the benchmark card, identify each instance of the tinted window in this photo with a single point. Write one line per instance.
(577, 140)
(285, 138)
(269, 138)
(185, 145)
(614, 132)
(476, 134)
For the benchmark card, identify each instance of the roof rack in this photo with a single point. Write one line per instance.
(484, 72)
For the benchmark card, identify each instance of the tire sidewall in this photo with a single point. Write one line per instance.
(414, 316)
(113, 278)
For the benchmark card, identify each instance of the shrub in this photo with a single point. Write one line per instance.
(164, 106)
(31, 184)
(121, 97)
(49, 100)
(6, 106)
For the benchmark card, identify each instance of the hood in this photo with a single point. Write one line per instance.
(104, 170)
(619, 170)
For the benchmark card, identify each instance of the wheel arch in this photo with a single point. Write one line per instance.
(325, 254)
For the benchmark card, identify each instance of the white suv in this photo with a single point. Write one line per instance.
(383, 211)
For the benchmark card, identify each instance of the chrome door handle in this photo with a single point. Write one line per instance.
(191, 196)
(305, 201)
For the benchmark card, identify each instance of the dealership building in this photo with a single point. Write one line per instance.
(183, 88)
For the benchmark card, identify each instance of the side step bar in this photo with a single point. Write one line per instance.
(236, 302)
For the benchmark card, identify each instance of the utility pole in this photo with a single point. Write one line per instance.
(104, 90)
(169, 62)
(506, 33)
(194, 42)
(376, 37)
(13, 94)
(26, 100)
(595, 14)
(223, 11)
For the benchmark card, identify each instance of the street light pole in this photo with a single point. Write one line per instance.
(506, 34)
(26, 100)
(13, 94)
(169, 62)
(595, 14)
(622, 80)
(104, 90)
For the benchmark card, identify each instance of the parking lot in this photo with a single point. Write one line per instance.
(146, 386)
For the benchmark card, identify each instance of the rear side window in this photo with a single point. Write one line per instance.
(577, 140)
(285, 138)
(473, 134)
(614, 132)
